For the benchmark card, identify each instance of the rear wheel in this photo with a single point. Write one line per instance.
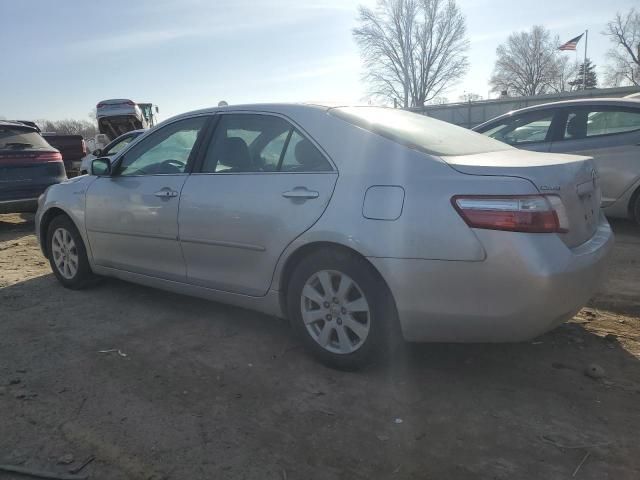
(67, 254)
(341, 309)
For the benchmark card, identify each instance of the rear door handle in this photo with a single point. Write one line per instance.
(301, 192)
(166, 193)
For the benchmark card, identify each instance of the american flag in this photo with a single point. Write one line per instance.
(571, 44)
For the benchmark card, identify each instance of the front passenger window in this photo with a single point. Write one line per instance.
(164, 152)
(528, 128)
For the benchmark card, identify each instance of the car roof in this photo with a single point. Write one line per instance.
(260, 107)
(9, 123)
(616, 102)
(286, 109)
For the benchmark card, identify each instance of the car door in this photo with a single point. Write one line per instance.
(609, 134)
(528, 130)
(132, 216)
(261, 183)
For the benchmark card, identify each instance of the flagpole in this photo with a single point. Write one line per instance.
(584, 65)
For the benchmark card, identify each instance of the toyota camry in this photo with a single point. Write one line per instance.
(360, 225)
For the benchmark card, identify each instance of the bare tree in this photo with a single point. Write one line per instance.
(69, 127)
(527, 64)
(624, 32)
(565, 76)
(413, 50)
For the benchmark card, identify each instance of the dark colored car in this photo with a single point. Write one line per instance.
(28, 165)
(71, 147)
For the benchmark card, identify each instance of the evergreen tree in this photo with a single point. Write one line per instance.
(591, 79)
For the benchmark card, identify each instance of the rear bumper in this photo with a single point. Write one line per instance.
(528, 284)
(25, 198)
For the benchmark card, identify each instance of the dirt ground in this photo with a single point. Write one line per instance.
(189, 389)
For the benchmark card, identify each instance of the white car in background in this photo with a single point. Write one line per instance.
(109, 150)
(118, 116)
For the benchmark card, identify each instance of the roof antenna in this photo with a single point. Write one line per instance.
(222, 103)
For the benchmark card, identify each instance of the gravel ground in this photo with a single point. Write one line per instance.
(155, 385)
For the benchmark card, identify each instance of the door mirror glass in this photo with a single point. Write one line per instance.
(101, 167)
(97, 152)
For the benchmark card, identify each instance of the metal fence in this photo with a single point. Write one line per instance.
(470, 114)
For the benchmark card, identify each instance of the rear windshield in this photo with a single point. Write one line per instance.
(418, 131)
(17, 138)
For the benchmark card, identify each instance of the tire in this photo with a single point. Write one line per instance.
(352, 326)
(67, 254)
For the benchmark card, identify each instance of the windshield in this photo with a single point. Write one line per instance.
(119, 145)
(418, 131)
(16, 138)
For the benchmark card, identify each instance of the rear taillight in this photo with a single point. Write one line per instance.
(129, 102)
(100, 105)
(49, 157)
(520, 213)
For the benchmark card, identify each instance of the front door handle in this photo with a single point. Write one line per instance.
(300, 193)
(166, 193)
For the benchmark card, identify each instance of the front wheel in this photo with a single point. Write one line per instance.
(342, 309)
(67, 254)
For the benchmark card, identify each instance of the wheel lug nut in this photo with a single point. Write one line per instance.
(327, 304)
(339, 321)
(328, 317)
(343, 310)
(335, 300)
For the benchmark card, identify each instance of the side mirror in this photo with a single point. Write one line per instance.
(97, 152)
(157, 109)
(101, 167)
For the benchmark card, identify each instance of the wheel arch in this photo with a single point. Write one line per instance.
(294, 258)
(45, 221)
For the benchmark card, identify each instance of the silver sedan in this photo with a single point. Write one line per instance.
(361, 225)
(606, 129)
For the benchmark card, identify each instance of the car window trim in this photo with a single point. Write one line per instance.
(192, 154)
(594, 108)
(293, 126)
(558, 125)
(283, 153)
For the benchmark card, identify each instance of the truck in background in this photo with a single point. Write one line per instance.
(71, 147)
(118, 116)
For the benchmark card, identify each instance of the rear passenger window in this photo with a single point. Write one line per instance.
(589, 123)
(303, 156)
(251, 143)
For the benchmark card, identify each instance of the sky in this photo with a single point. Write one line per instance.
(59, 59)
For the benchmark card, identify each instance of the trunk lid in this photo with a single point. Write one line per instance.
(574, 179)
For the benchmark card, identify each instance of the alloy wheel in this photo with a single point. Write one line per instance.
(65, 253)
(335, 311)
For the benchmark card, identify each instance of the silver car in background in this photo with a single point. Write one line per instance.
(606, 129)
(359, 224)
